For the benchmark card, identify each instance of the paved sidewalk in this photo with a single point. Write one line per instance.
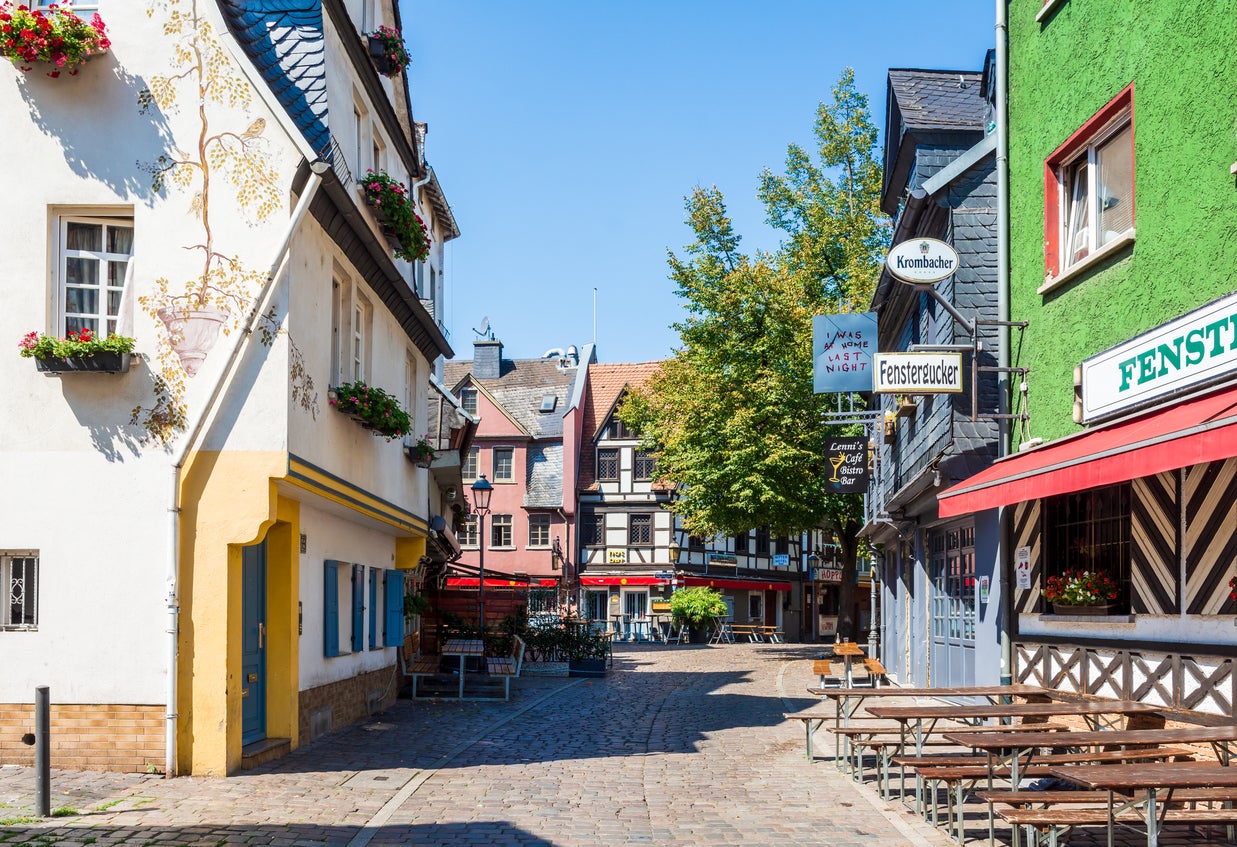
(678, 745)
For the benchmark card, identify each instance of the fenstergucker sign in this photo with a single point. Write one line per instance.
(1192, 350)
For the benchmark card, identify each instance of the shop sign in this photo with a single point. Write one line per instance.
(1194, 349)
(781, 561)
(917, 373)
(842, 348)
(616, 557)
(847, 460)
(922, 260)
(828, 572)
(725, 559)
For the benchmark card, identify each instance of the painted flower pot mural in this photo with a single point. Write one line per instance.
(192, 333)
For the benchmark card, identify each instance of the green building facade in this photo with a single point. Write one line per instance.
(1063, 69)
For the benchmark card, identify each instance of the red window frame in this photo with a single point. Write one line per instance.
(1063, 155)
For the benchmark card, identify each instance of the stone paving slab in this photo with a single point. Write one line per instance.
(678, 745)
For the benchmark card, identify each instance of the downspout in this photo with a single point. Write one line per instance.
(1002, 300)
(194, 431)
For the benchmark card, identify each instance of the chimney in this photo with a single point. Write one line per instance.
(487, 358)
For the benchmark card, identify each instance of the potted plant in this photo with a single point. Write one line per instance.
(1075, 592)
(415, 604)
(80, 350)
(386, 50)
(371, 407)
(421, 454)
(393, 206)
(56, 37)
(588, 653)
(697, 608)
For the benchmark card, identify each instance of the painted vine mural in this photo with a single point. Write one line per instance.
(229, 167)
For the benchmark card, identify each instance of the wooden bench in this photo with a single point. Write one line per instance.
(423, 666)
(1023, 798)
(876, 671)
(507, 667)
(1056, 822)
(832, 674)
(958, 779)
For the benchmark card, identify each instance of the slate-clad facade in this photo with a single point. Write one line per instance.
(940, 183)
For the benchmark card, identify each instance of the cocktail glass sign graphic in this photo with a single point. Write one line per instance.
(847, 460)
(842, 348)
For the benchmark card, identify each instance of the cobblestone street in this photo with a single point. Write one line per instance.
(680, 745)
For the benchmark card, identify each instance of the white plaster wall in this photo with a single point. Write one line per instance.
(1167, 629)
(330, 536)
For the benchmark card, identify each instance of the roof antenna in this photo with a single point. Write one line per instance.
(486, 331)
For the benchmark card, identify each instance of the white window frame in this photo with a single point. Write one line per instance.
(359, 338)
(471, 466)
(9, 588)
(494, 464)
(101, 315)
(339, 299)
(469, 537)
(1090, 157)
(508, 523)
(468, 397)
(542, 521)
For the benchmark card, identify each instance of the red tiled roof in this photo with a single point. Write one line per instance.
(605, 384)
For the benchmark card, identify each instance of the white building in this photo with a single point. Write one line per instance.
(205, 169)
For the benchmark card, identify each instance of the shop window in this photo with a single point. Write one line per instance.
(1090, 531)
(755, 606)
(1089, 190)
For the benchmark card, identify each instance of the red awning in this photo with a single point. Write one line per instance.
(472, 581)
(1191, 432)
(721, 583)
(623, 580)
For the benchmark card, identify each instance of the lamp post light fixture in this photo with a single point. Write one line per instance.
(675, 550)
(813, 562)
(481, 491)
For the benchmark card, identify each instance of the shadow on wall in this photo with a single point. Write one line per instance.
(71, 109)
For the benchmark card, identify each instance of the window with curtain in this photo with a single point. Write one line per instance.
(94, 257)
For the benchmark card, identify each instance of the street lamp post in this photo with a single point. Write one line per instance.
(809, 606)
(481, 491)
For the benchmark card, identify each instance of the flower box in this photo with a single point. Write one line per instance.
(396, 214)
(371, 407)
(54, 38)
(111, 363)
(386, 51)
(1092, 611)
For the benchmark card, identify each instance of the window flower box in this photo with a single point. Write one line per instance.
(55, 38)
(393, 207)
(110, 363)
(421, 454)
(371, 407)
(80, 351)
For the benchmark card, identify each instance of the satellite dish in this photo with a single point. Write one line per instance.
(485, 331)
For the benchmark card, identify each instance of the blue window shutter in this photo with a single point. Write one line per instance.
(358, 608)
(373, 608)
(330, 609)
(393, 586)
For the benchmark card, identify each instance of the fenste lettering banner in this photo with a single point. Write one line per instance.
(842, 348)
(846, 461)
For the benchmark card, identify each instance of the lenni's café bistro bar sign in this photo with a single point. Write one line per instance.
(1192, 350)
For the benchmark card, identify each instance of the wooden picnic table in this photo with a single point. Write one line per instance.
(756, 632)
(1152, 779)
(1221, 738)
(850, 699)
(848, 650)
(463, 647)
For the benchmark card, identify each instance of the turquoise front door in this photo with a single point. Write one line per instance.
(253, 643)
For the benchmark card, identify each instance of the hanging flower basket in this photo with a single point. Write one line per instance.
(193, 333)
(55, 38)
(421, 453)
(386, 50)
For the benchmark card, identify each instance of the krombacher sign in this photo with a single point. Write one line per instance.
(1194, 349)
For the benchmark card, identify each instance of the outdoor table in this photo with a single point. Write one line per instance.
(848, 650)
(463, 647)
(1151, 779)
(850, 699)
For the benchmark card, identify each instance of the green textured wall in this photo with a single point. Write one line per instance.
(1180, 56)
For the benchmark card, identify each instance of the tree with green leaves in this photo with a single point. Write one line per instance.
(732, 416)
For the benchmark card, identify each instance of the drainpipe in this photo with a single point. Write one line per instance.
(1003, 354)
(193, 432)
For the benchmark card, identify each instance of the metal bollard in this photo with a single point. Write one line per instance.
(42, 751)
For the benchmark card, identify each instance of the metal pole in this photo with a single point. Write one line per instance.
(42, 751)
(873, 635)
(481, 571)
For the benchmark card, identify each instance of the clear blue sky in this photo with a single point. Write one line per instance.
(566, 134)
